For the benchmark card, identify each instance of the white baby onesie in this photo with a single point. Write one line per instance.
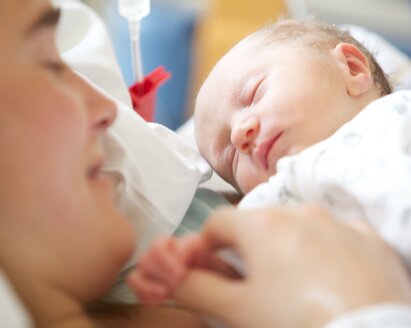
(361, 171)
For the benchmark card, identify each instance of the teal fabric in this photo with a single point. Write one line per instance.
(204, 203)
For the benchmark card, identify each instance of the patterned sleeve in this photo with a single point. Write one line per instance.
(363, 171)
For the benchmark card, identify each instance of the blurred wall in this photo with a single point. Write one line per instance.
(166, 40)
(187, 37)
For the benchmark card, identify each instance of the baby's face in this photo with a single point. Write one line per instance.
(259, 105)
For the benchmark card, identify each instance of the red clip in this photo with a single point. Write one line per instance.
(143, 94)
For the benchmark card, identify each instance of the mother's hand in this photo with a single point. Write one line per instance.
(304, 269)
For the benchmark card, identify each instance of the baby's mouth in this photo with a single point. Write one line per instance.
(264, 149)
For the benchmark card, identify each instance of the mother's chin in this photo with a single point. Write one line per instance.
(104, 267)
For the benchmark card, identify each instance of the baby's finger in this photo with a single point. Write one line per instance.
(167, 256)
(149, 292)
(161, 263)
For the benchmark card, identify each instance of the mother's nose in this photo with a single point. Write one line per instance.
(102, 110)
(244, 132)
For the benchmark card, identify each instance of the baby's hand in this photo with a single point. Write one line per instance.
(159, 272)
(164, 266)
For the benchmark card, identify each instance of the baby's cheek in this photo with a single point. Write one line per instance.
(250, 177)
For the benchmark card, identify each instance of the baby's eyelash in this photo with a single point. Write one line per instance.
(255, 91)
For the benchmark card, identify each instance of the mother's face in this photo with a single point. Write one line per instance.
(51, 126)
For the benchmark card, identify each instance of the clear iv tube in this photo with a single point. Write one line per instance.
(136, 51)
(134, 11)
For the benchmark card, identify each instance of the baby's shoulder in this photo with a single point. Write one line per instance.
(395, 103)
(392, 100)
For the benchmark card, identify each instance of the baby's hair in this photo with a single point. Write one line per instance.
(317, 35)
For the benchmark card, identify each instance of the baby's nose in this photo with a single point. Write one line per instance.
(243, 134)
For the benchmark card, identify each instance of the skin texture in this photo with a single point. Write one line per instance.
(62, 241)
(305, 270)
(51, 129)
(262, 103)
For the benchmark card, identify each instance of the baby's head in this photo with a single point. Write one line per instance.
(280, 90)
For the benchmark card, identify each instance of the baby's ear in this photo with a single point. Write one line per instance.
(355, 67)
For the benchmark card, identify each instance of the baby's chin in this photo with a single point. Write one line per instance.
(247, 187)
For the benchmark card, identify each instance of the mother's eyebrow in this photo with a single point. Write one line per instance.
(47, 19)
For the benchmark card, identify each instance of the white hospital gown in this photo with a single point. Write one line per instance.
(361, 171)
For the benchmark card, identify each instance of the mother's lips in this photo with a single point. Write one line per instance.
(263, 150)
(95, 169)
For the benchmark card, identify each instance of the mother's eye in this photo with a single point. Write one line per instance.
(55, 66)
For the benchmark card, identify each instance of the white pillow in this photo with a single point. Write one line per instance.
(12, 311)
(157, 173)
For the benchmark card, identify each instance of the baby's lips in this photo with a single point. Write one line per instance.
(264, 149)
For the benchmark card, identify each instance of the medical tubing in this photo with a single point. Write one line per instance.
(134, 11)
(134, 28)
